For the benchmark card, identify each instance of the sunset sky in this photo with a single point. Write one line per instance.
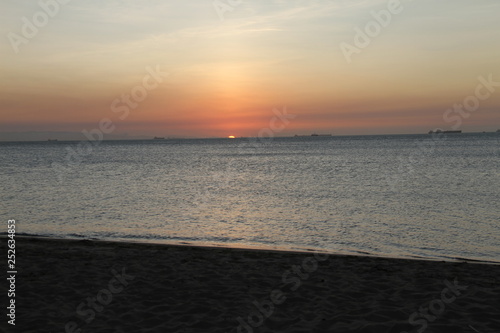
(227, 75)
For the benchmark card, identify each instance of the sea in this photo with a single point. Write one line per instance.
(411, 196)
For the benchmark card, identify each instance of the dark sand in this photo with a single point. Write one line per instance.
(94, 286)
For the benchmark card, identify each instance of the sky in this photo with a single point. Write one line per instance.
(205, 68)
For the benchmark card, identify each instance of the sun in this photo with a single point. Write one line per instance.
(231, 137)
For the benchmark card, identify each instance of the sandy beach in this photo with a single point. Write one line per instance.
(96, 286)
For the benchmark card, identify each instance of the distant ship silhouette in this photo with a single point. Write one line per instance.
(444, 132)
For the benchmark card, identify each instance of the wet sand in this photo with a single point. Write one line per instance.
(96, 286)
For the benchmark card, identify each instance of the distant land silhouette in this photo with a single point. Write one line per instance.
(78, 136)
(62, 136)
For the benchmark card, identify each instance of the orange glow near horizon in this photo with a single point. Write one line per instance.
(231, 137)
(187, 75)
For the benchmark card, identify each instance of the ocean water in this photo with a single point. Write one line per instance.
(398, 195)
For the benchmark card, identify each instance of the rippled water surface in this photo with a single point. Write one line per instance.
(409, 195)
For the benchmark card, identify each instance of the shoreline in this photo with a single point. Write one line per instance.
(260, 247)
(109, 286)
